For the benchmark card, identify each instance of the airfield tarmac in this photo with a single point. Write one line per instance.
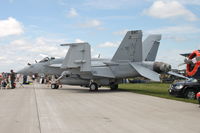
(38, 109)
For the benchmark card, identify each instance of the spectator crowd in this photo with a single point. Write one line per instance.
(8, 80)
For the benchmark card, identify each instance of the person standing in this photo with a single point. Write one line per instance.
(12, 79)
(1, 79)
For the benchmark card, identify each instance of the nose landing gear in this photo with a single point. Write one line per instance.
(54, 86)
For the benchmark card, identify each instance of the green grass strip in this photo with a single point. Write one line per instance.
(153, 89)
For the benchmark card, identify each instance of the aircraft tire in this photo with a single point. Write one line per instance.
(93, 87)
(190, 94)
(57, 86)
(54, 86)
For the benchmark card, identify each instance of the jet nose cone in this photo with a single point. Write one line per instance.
(23, 71)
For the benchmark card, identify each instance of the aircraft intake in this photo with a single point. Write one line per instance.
(161, 67)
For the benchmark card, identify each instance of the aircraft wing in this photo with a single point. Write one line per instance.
(178, 75)
(145, 72)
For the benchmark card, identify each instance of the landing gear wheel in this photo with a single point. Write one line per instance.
(114, 86)
(54, 86)
(93, 87)
(57, 86)
(190, 94)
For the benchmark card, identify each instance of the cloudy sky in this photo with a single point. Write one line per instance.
(33, 29)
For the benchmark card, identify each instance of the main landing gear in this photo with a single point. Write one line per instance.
(93, 86)
(113, 86)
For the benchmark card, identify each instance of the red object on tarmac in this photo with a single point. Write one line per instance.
(198, 97)
(193, 70)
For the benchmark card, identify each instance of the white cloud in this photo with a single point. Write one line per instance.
(78, 40)
(176, 38)
(43, 55)
(109, 44)
(17, 53)
(181, 29)
(2, 58)
(21, 44)
(110, 4)
(10, 26)
(11, 1)
(72, 13)
(170, 9)
(180, 33)
(91, 24)
(188, 2)
(101, 28)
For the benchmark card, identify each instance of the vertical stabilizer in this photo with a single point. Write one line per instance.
(130, 48)
(150, 47)
(78, 56)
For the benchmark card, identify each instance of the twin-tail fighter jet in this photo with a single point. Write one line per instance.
(133, 58)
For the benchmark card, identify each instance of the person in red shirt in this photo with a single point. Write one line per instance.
(198, 97)
(1, 78)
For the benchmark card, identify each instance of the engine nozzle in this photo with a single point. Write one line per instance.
(161, 67)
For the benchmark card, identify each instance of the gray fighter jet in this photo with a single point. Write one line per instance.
(133, 58)
(47, 66)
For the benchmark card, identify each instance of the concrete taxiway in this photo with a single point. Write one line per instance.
(38, 109)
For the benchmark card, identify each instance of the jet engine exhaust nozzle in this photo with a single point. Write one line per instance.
(161, 67)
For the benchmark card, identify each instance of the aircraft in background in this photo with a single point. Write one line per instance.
(192, 62)
(190, 87)
(133, 58)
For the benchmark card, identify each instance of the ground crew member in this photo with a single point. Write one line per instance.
(12, 79)
(1, 78)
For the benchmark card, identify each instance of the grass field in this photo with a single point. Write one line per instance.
(153, 89)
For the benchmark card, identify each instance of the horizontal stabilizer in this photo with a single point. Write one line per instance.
(177, 75)
(145, 72)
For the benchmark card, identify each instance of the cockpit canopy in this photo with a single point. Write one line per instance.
(46, 59)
